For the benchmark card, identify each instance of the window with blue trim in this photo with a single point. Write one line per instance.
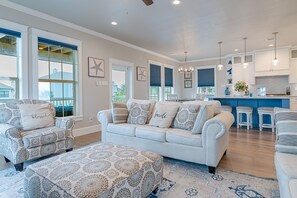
(168, 90)
(206, 81)
(57, 75)
(155, 82)
(10, 58)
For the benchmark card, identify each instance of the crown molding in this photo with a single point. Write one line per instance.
(50, 18)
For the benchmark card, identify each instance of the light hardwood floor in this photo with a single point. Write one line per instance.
(250, 152)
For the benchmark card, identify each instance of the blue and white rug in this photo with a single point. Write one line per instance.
(181, 179)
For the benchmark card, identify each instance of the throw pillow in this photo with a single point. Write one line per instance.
(164, 114)
(205, 113)
(151, 102)
(34, 116)
(186, 117)
(119, 112)
(286, 143)
(138, 113)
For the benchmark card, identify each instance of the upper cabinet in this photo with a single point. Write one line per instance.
(293, 68)
(243, 74)
(264, 66)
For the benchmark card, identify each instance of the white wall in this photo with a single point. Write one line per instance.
(95, 98)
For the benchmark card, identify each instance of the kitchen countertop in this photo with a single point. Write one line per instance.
(254, 97)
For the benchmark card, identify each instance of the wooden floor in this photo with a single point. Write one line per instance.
(249, 152)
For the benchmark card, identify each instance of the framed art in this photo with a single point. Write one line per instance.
(96, 67)
(188, 75)
(188, 84)
(141, 73)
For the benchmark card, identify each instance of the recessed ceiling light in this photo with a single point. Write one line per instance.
(114, 23)
(235, 50)
(176, 2)
(271, 45)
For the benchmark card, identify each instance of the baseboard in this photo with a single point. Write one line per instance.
(86, 130)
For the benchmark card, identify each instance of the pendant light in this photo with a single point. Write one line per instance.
(220, 66)
(275, 60)
(245, 64)
(185, 68)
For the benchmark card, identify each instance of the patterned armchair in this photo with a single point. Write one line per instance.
(19, 146)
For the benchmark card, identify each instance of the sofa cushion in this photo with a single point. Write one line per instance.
(119, 112)
(138, 113)
(214, 103)
(286, 142)
(180, 136)
(122, 129)
(293, 187)
(164, 114)
(287, 163)
(205, 113)
(38, 137)
(151, 102)
(186, 117)
(151, 133)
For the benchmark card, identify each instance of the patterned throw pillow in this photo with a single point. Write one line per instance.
(119, 112)
(164, 114)
(286, 143)
(186, 116)
(138, 113)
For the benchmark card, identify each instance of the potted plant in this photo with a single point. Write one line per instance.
(242, 88)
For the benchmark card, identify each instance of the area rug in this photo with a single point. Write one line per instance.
(181, 179)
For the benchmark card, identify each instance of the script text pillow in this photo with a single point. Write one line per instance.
(163, 115)
(186, 117)
(205, 113)
(34, 116)
(119, 112)
(138, 113)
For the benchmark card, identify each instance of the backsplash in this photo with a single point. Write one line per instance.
(273, 84)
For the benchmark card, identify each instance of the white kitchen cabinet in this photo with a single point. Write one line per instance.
(240, 74)
(293, 71)
(264, 66)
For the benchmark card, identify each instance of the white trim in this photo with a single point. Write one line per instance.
(86, 130)
(50, 18)
(35, 33)
(23, 69)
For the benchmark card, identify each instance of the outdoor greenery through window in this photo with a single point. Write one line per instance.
(155, 93)
(57, 75)
(119, 86)
(9, 59)
(208, 91)
(168, 91)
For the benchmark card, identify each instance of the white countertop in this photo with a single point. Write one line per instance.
(254, 97)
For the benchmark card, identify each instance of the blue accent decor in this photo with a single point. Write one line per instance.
(52, 42)
(168, 77)
(155, 75)
(244, 191)
(206, 77)
(10, 32)
(254, 103)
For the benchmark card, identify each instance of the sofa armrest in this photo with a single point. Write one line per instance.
(10, 131)
(65, 123)
(286, 126)
(216, 138)
(104, 117)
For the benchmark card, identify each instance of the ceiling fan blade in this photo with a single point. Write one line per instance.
(148, 2)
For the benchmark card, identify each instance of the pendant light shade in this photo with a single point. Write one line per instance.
(275, 60)
(186, 68)
(245, 64)
(220, 66)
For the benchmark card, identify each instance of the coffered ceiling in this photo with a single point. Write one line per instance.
(194, 25)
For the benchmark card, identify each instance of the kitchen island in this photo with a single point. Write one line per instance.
(254, 102)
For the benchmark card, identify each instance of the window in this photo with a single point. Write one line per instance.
(206, 81)
(9, 63)
(57, 75)
(168, 82)
(155, 82)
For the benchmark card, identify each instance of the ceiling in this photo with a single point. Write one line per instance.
(194, 25)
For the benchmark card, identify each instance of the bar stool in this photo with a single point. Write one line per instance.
(266, 111)
(240, 110)
(225, 108)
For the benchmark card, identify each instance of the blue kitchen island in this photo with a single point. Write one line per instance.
(254, 102)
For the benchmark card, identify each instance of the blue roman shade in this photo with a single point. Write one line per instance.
(52, 42)
(206, 77)
(168, 77)
(10, 32)
(155, 75)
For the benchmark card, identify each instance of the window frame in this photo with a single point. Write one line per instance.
(161, 88)
(215, 77)
(173, 78)
(34, 92)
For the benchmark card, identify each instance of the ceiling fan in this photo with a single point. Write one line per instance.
(148, 2)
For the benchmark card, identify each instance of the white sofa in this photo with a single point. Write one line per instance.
(206, 148)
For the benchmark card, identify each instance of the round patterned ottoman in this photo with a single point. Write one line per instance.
(99, 170)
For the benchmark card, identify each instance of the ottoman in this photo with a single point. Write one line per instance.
(99, 170)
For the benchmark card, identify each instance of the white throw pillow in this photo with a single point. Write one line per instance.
(164, 114)
(205, 113)
(34, 116)
(214, 103)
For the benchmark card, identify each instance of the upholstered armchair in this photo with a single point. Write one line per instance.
(19, 146)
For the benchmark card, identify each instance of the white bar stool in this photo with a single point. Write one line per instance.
(225, 108)
(240, 110)
(266, 111)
